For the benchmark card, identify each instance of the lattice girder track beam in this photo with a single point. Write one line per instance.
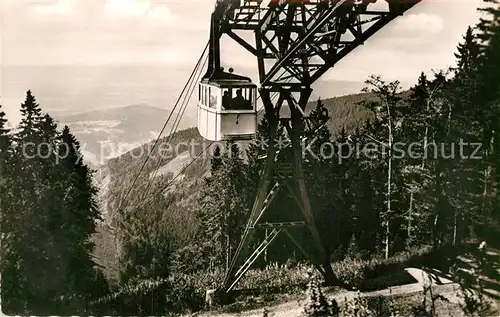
(319, 33)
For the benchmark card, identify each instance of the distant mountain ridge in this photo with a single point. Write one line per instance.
(112, 112)
(108, 133)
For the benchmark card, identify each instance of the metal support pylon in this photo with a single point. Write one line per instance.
(241, 262)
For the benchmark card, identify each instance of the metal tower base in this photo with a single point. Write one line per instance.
(267, 190)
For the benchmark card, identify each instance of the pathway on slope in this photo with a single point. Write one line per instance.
(295, 308)
(441, 284)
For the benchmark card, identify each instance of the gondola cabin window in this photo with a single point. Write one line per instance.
(237, 98)
(212, 92)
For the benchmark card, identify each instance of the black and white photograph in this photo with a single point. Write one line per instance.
(256, 158)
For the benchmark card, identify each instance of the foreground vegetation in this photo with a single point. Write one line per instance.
(379, 212)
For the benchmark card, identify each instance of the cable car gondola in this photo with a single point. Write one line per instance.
(227, 108)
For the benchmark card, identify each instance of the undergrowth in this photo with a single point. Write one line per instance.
(185, 292)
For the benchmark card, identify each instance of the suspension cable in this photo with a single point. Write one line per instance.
(161, 132)
(175, 126)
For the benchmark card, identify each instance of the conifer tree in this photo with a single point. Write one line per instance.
(223, 208)
(467, 52)
(5, 138)
(256, 149)
(27, 141)
(469, 177)
(80, 218)
(31, 119)
(47, 267)
(418, 129)
(28, 284)
(324, 177)
(488, 96)
(10, 275)
(216, 160)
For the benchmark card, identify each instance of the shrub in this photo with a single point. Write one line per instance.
(369, 307)
(277, 279)
(354, 271)
(160, 296)
(471, 286)
(317, 304)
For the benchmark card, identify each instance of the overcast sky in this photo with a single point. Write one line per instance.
(172, 33)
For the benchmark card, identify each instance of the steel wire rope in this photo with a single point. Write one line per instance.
(175, 126)
(178, 121)
(161, 132)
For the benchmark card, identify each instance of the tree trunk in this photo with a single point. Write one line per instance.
(410, 209)
(389, 187)
(228, 252)
(455, 227)
(409, 225)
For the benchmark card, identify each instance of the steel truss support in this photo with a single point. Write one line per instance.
(241, 262)
(296, 42)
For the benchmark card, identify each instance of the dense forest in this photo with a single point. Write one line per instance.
(395, 178)
(48, 215)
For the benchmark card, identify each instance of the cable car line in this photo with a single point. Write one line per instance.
(149, 183)
(161, 132)
(175, 178)
(175, 126)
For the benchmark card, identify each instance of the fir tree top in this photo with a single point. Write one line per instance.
(4, 134)
(31, 117)
(468, 51)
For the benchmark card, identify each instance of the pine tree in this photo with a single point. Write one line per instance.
(80, 218)
(468, 52)
(223, 208)
(10, 276)
(47, 267)
(5, 152)
(5, 138)
(31, 119)
(28, 284)
(488, 96)
(216, 160)
(146, 246)
(368, 180)
(28, 247)
(418, 128)
(236, 201)
(466, 183)
(254, 152)
(323, 176)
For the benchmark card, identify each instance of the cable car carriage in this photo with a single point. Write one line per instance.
(227, 108)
